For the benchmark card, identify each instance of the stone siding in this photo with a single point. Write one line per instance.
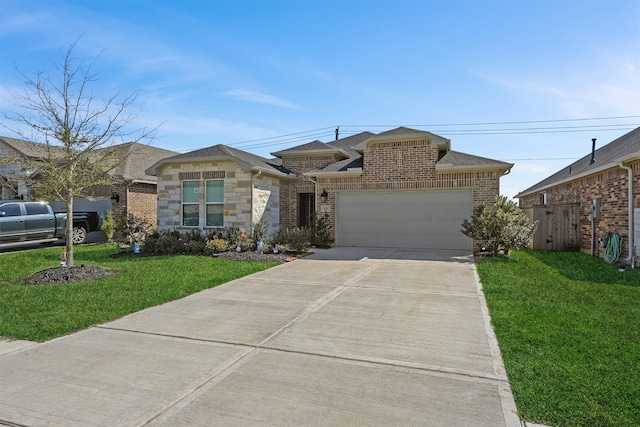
(266, 201)
(611, 187)
(238, 192)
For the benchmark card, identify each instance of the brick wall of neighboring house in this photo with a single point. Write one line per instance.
(611, 187)
(291, 189)
(238, 191)
(12, 188)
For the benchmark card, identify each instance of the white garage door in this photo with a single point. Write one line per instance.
(403, 219)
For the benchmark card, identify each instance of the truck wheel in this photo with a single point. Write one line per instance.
(79, 235)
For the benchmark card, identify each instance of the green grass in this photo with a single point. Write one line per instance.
(40, 313)
(569, 331)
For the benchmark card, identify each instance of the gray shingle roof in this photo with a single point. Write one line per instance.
(310, 146)
(343, 165)
(608, 155)
(27, 148)
(458, 159)
(223, 152)
(349, 142)
(138, 157)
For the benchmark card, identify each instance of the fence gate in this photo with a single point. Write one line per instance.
(558, 227)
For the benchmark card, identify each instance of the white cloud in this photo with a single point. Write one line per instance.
(608, 85)
(260, 98)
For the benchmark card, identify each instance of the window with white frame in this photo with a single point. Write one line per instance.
(214, 203)
(191, 203)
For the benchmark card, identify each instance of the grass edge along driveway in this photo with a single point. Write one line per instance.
(569, 332)
(40, 313)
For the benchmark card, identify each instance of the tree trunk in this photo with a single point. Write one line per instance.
(69, 231)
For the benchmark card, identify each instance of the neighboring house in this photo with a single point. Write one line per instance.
(401, 188)
(134, 192)
(599, 194)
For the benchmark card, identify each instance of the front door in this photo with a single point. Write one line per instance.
(307, 209)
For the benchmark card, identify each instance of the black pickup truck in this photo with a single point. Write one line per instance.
(27, 221)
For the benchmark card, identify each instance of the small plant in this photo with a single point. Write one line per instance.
(195, 247)
(108, 226)
(246, 245)
(216, 246)
(136, 228)
(260, 230)
(321, 231)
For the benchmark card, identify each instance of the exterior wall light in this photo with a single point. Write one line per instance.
(324, 195)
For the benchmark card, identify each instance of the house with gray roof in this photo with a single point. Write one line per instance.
(581, 204)
(133, 191)
(401, 188)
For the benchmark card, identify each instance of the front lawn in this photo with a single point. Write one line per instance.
(40, 313)
(569, 331)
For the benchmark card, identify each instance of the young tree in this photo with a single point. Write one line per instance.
(70, 131)
(501, 227)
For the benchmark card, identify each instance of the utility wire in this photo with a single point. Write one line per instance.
(349, 130)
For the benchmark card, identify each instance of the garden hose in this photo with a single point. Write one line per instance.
(612, 251)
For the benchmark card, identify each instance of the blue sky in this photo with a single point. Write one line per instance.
(524, 81)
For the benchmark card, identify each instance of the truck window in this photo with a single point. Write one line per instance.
(12, 209)
(36, 208)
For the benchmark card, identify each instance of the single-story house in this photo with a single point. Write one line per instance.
(400, 188)
(134, 192)
(579, 205)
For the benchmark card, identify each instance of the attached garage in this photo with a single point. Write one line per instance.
(403, 219)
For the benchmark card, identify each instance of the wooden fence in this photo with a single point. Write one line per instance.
(558, 227)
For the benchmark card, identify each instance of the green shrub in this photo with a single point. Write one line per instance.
(136, 229)
(499, 228)
(195, 247)
(246, 245)
(216, 246)
(108, 226)
(321, 231)
(260, 231)
(295, 239)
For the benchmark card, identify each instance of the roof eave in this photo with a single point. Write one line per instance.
(448, 167)
(351, 172)
(244, 166)
(442, 143)
(570, 178)
(294, 153)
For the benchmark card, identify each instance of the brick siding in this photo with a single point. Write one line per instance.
(611, 187)
(388, 165)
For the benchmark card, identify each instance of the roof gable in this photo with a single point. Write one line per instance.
(455, 160)
(404, 133)
(621, 149)
(247, 161)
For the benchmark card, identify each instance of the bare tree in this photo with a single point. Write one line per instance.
(71, 132)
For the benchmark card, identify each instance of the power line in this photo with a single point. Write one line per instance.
(328, 131)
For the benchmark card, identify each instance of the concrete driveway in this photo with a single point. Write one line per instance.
(346, 337)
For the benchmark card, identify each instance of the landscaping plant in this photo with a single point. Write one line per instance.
(499, 228)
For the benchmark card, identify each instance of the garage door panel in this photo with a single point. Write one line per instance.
(404, 219)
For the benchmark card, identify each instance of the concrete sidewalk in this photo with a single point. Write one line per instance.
(343, 337)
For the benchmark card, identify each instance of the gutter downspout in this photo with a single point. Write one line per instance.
(630, 220)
